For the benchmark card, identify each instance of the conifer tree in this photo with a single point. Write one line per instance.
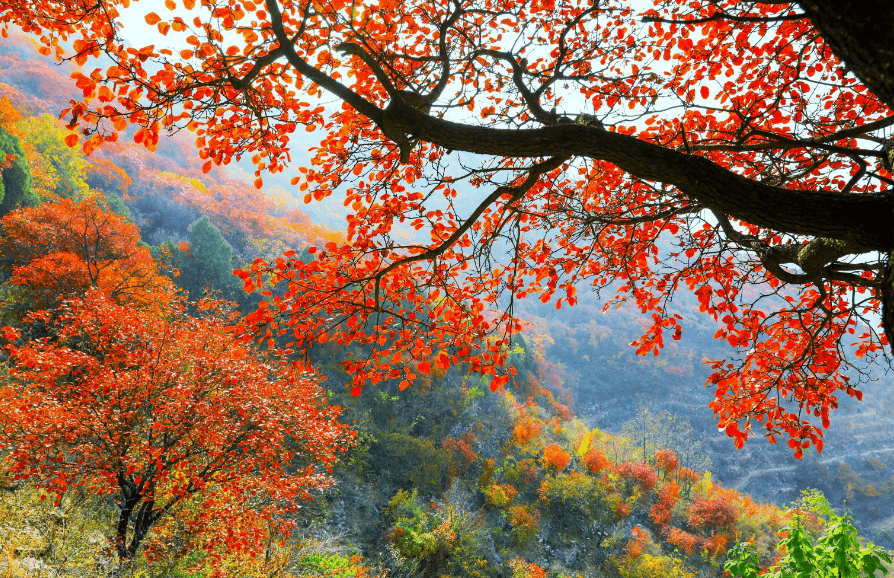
(209, 260)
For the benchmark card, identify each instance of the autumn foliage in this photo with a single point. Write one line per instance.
(716, 512)
(170, 415)
(63, 249)
(460, 452)
(719, 148)
(595, 461)
(555, 458)
(640, 474)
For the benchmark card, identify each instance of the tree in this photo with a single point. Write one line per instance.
(208, 261)
(15, 184)
(61, 250)
(57, 170)
(172, 416)
(736, 149)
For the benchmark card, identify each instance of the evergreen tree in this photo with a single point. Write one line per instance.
(116, 205)
(209, 261)
(15, 186)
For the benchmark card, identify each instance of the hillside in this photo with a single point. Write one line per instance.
(609, 385)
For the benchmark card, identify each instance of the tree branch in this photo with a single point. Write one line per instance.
(863, 220)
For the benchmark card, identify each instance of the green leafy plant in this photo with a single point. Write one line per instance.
(328, 565)
(837, 554)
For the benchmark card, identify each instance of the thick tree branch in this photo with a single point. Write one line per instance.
(862, 220)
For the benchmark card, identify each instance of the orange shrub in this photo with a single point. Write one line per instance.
(637, 544)
(522, 569)
(640, 474)
(499, 495)
(525, 431)
(595, 461)
(459, 452)
(687, 476)
(660, 513)
(717, 544)
(562, 411)
(524, 523)
(717, 512)
(555, 458)
(487, 476)
(683, 540)
(666, 460)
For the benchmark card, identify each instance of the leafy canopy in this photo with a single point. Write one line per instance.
(170, 414)
(717, 147)
(63, 249)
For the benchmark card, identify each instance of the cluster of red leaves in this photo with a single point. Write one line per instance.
(523, 569)
(563, 412)
(717, 512)
(666, 460)
(595, 461)
(460, 452)
(166, 408)
(528, 472)
(661, 511)
(717, 544)
(636, 546)
(527, 426)
(523, 520)
(499, 495)
(683, 540)
(342, 297)
(640, 474)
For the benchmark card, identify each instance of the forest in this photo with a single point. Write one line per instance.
(576, 289)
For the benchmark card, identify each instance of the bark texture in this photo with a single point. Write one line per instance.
(861, 34)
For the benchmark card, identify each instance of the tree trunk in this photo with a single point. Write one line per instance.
(861, 34)
(123, 522)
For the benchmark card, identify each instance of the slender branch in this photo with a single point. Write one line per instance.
(724, 16)
(362, 105)
(534, 174)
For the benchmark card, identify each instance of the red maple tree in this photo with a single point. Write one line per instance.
(172, 416)
(63, 249)
(720, 147)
